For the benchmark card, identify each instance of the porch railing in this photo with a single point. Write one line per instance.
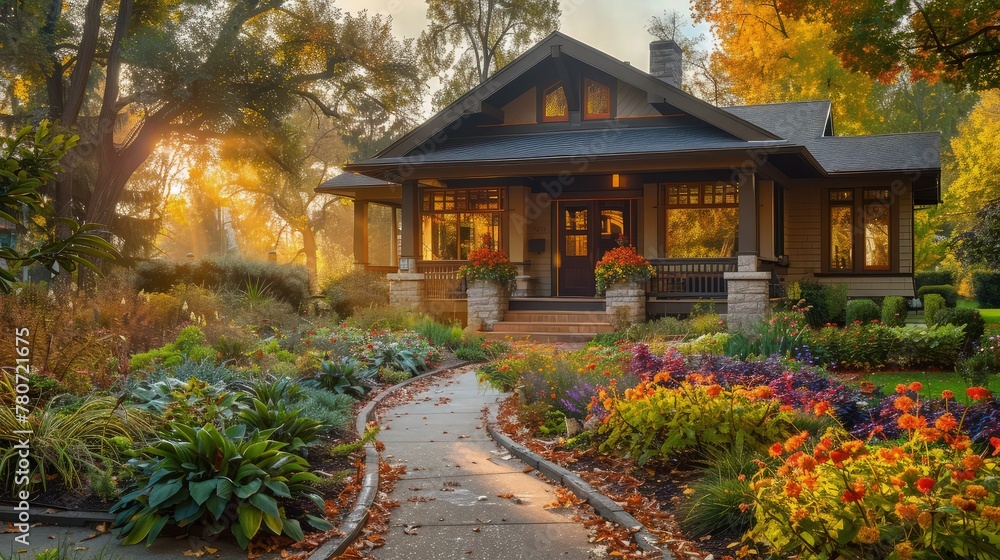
(690, 278)
(441, 280)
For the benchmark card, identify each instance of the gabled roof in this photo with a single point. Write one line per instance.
(558, 44)
(353, 185)
(796, 121)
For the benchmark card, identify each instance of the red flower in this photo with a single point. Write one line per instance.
(977, 393)
(853, 495)
(916, 386)
(776, 450)
(947, 394)
(925, 485)
(995, 442)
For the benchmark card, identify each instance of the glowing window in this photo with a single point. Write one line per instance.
(556, 107)
(597, 100)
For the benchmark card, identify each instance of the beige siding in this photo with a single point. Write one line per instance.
(633, 102)
(803, 238)
(538, 214)
(522, 109)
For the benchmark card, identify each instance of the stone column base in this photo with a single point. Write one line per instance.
(748, 296)
(625, 301)
(487, 304)
(406, 290)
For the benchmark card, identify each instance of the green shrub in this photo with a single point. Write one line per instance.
(392, 376)
(104, 484)
(287, 283)
(934, 278)
(862, 310)
(714, 344)
(973, 322)
(284, 425)
(190, 401)
(946, 291)
(189, 345)
(357, 290)
(826, 302)
(894, 311)
(936, 347)
(707, 323)
(439, 334)
(933, 304)
(195, 475)
(986, 286)
(346, 376)
(333, 411)
(471, 352)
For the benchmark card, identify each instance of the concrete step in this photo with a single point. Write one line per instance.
(556, 316)
(541, 336)
(527, 327)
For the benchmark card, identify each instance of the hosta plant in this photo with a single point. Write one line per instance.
(347, 376)
(222, 481)
(286, 425)
(933, 495)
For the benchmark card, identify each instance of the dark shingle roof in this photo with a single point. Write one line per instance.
(797, 121)
(882, 152)
(353, 180)
(593, 142)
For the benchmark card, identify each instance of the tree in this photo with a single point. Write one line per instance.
(130, 75)
(980, 246)
(977, 163)
(957, 40)
(704, 76)
(28, 161)
(468, 40)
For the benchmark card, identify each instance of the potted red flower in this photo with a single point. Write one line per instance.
(490, 278)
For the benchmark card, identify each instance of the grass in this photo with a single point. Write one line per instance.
(934, 382)
(989, 315)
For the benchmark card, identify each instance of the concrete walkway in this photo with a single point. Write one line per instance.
(450, 495)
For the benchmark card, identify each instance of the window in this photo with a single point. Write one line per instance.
(860, 222)
(556, 107)
(597, 100)
(453, 222)
(384, 234)
(702, 220)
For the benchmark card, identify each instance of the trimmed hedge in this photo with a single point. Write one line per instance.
(933, 304)
(947, 292)
(288, 283)
(828, 302)
(934, 278)
(863, 310)
(986, 286)
(894, 311)
(973, 322)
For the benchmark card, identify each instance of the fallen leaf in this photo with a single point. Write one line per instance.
(211, 550)
(506, 495)
(527, 469)
(410, 529)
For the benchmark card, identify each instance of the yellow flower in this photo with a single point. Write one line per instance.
(904, 551)
(868, 535)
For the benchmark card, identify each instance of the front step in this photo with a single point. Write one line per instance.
(556, 304)
(551, 326)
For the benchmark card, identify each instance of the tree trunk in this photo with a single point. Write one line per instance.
(309, 248)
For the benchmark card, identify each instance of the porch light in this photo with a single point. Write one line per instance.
(616, 181)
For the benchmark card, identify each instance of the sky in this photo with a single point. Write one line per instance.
(617, 27)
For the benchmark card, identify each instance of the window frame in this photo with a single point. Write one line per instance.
(667, 205)
(545, 93)
(587, 115)
(462, 194)
(859, 208)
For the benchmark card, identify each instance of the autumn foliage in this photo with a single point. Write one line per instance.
(622, 264)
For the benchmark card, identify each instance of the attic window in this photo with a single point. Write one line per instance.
(597, 100)
(556, 108)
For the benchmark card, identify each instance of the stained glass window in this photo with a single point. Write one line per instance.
(556, 107)
(597, 100)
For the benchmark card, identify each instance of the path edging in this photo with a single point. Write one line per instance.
(603, 505)
(355, 521)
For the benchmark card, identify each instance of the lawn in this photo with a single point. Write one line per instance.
(934, 382)
(989, 315)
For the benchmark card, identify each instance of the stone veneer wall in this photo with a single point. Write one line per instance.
(629, 297)
(487, 303)
(748, 294)
(406, 290)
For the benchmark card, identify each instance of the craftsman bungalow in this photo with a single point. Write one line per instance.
(566, 149)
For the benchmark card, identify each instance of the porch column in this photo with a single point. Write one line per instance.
(406, 287)
(517, 236)
(360, 233)
(747, 288)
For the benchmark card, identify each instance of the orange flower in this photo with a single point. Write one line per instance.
(868, 535)
(904, 550)
(995, 442)
(900, 389)
(946, 422)
(855, 495)
(911, 422)
(992, 513)
(838, 457)
(976, 492)
(792, 489)
(947, 394)
(973, 462)
(796, 441)
(963, 504)
(916, 386)
(821, 408)
(977, 393)
(925, 485)
(714, 390)
(807, 463)
(908, 512)
(775, 450)
(762, 392)
(903, 404)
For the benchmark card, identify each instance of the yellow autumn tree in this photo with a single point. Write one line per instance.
(977, 162)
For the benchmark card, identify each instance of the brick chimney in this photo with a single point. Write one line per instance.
(666, 62)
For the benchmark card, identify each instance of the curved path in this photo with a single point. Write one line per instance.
(450, 495)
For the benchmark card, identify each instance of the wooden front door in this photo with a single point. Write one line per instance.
(587, 229)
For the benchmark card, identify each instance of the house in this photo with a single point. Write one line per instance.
(566, 149)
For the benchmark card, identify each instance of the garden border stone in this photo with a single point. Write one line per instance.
(355, 521)
(603, 505)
